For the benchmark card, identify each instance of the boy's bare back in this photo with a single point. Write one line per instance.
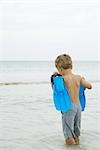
(72, 83)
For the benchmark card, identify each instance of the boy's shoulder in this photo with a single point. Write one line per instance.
(77, 76)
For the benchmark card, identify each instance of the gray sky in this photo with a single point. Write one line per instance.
(43, 29)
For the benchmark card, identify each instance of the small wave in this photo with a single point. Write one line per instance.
(23, 83)
(37, 82)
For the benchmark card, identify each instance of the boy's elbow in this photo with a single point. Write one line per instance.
(90, 86)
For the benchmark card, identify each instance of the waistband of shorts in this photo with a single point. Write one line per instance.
(78, 103)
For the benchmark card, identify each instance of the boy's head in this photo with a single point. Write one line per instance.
(63, 61)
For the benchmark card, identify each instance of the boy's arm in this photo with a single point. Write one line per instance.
(86, 84)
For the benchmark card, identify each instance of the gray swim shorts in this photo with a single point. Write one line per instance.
(71, 121)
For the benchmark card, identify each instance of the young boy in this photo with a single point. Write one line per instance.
(71, 120)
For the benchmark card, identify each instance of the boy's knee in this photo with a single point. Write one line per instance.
(70, 141)
(77, 140)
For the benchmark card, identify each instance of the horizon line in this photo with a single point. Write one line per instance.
(52, 60)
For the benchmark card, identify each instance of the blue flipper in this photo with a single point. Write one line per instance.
(61, 96)
(82, 97)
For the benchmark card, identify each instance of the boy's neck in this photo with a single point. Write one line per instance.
(67, 71)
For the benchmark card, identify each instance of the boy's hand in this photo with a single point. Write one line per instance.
(55, 73)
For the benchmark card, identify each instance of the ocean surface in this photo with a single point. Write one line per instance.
(28, 119)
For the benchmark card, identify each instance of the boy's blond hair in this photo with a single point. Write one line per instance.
(63, 61)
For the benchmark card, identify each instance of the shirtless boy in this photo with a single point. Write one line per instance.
(71, 120)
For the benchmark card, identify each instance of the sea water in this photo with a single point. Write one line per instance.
(28, 118)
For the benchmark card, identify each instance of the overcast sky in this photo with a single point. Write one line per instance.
(43, 29)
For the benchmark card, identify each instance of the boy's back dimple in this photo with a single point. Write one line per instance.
(72, 83)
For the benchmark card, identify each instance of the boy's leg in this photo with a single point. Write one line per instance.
(77, 125)
(77, 140)
(68, 126)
